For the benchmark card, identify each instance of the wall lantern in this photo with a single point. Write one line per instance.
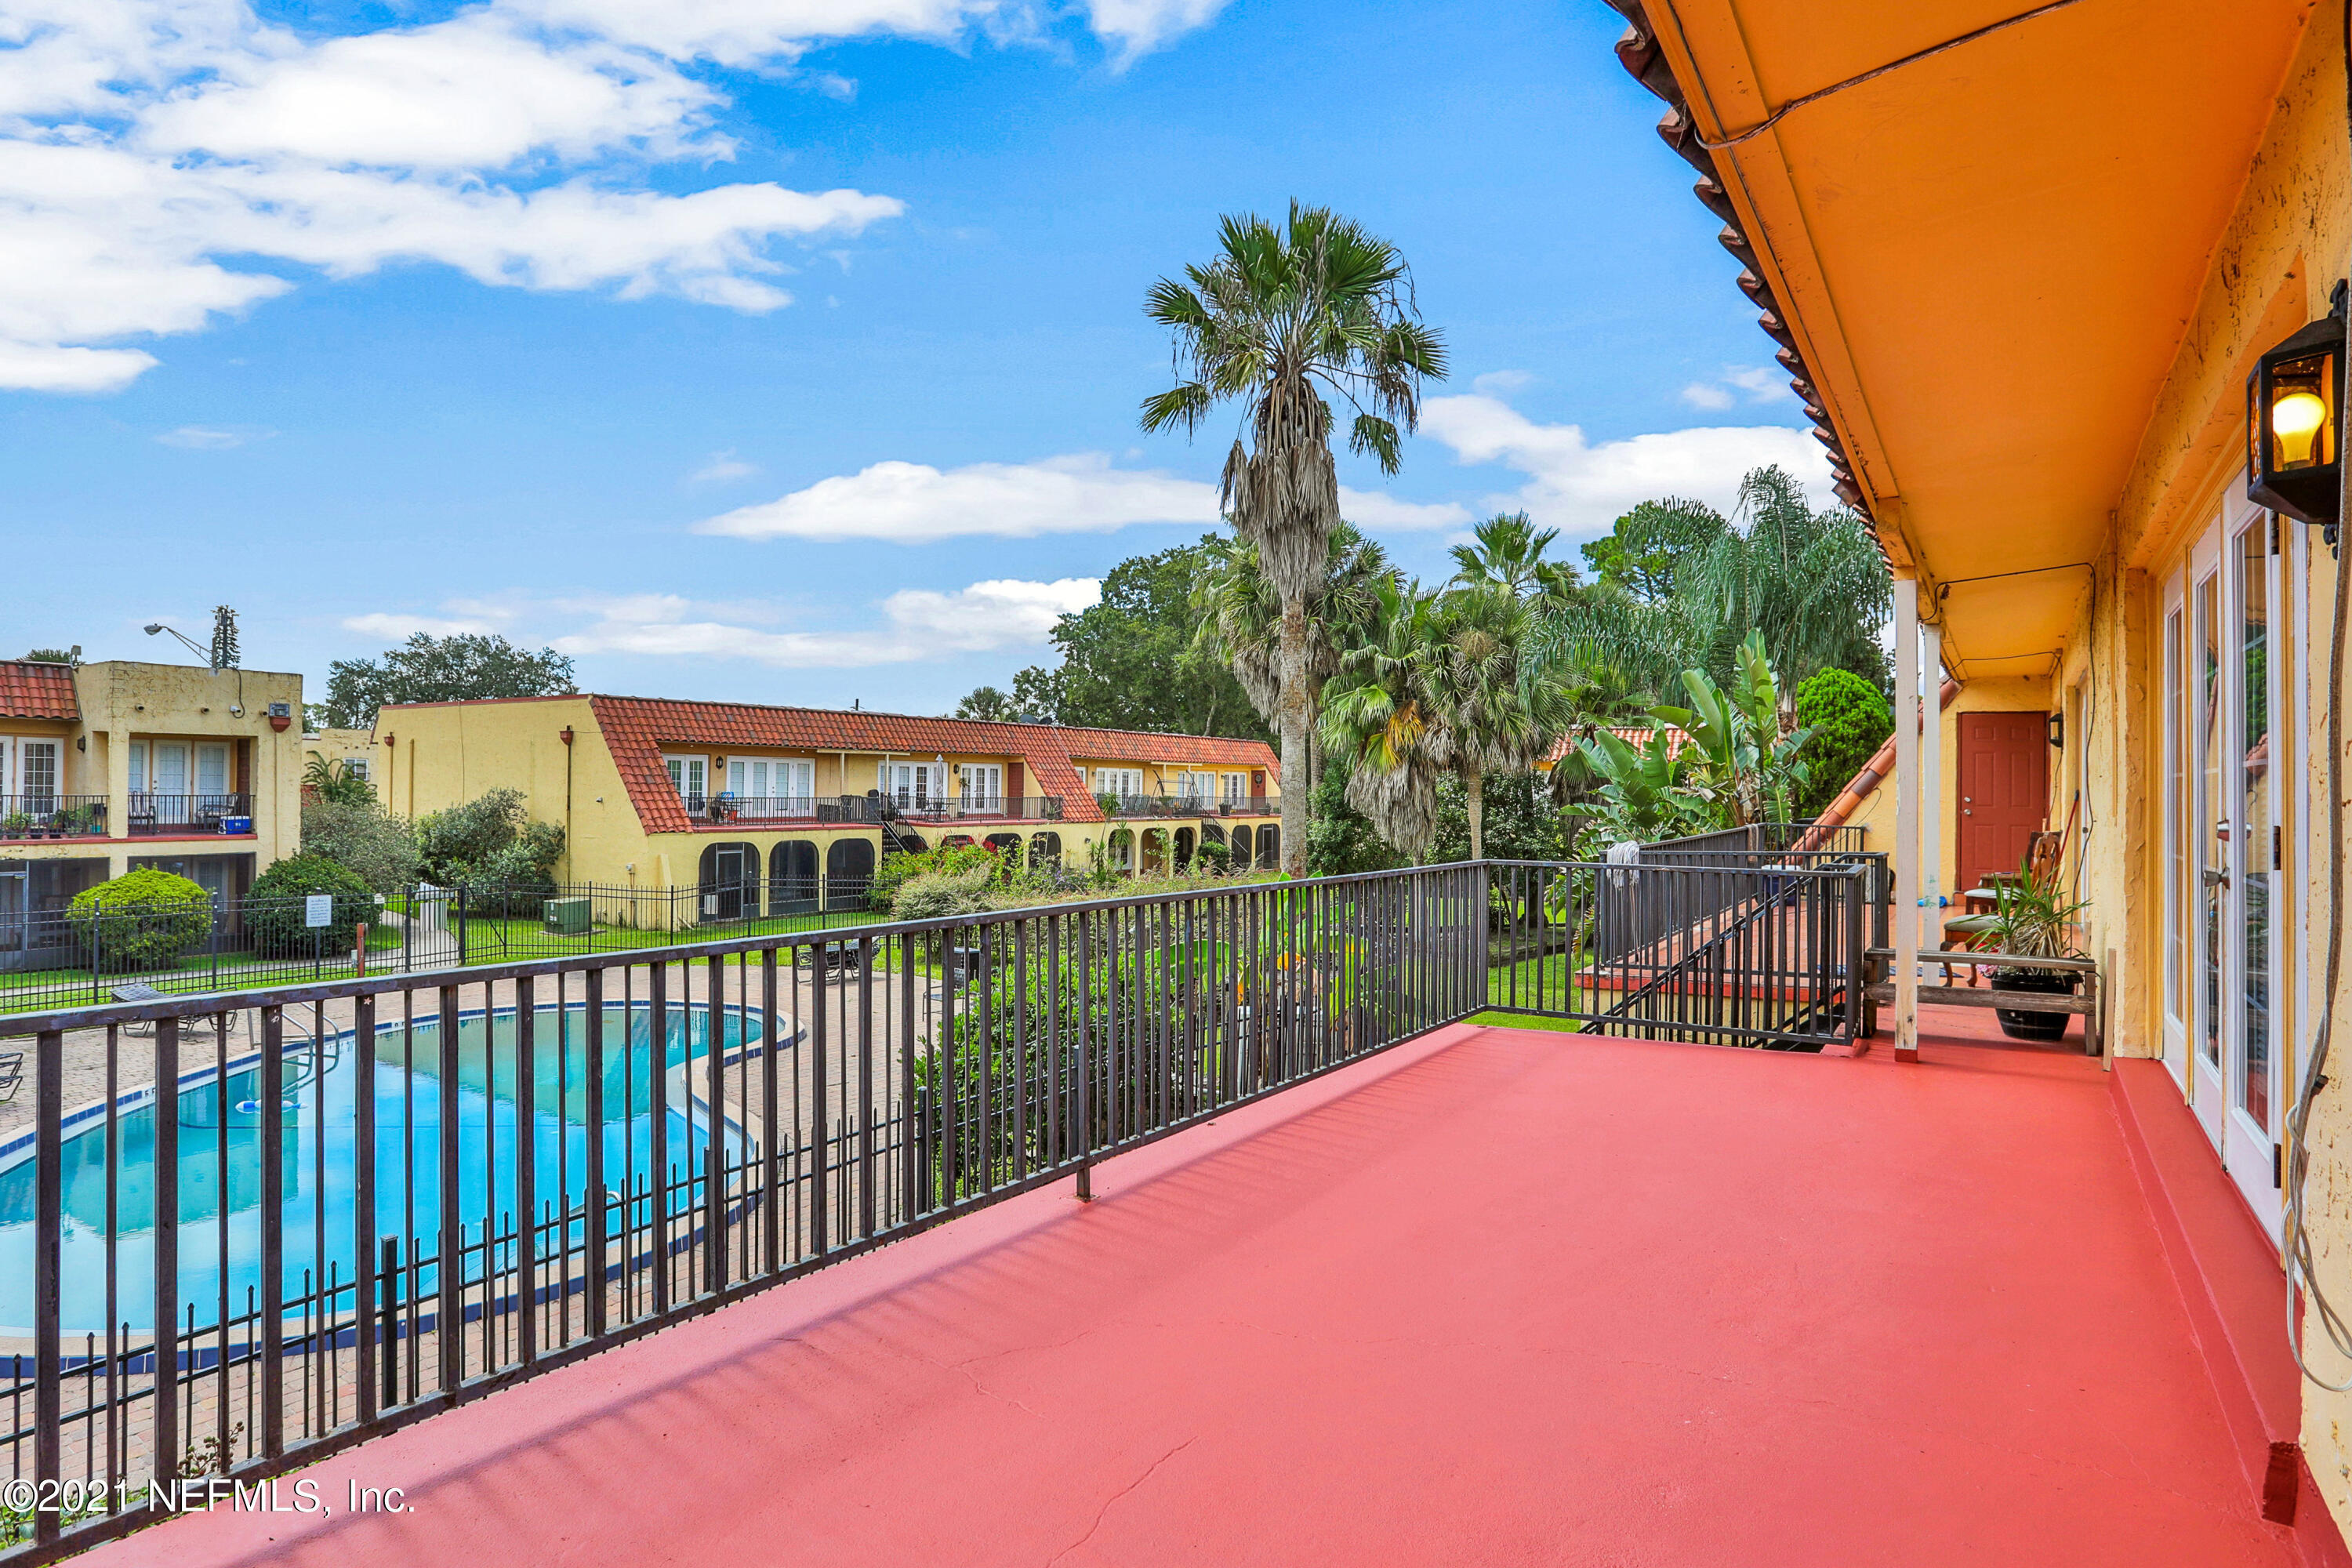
(2294, 411)
(2058, 729)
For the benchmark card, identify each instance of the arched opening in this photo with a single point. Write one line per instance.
(1155, 849)
(956, 841)
(1007, 847)
(1122, 850)
(1183, 849)
(1046, 849)
(848, 872)
(1269, 847)
(729, 881)
(1242, 846)
(792, 877)
(912, 843)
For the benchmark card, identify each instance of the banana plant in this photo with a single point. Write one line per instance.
(1747, 759)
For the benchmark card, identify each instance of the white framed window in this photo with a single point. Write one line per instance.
(983, 787)
(914, 786)
(1197, 787)
(1236, 789)
(1127, 783)
(30, 773)
(355, 767)
(689, 777)
(773, 786)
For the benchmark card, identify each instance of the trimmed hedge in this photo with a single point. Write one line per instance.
(142, 920)
(278, 912)
(1850, 721)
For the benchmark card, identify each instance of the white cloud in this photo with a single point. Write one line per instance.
(400, 629)
(721, 467)
(1500, 382)
(1703, 394)
(163, 162)
(922, 624)
(1737, 384)
(914, 503)
(1136, 28)
(474, 92)
(212, 437)
(1576, 485)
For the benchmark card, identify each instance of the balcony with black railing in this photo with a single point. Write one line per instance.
(830, 810)
(1170, 1183)
(169, 815)
(53, 816)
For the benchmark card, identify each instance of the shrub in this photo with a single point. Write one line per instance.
(278, 912)
(506, 860)
(1212, 859)
(940, 895)
(896, 870)
(1850, 721)
(141, 920)
(363, 838)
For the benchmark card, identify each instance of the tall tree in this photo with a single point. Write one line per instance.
(1381, 719)
(1507, 551)
(1129, 661)
(1499, 711)
(1238, 617)
(988, 703)
(1284, 312)
(440, 669)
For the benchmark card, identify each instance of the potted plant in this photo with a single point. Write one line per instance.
(2033, 918)
(16, 823)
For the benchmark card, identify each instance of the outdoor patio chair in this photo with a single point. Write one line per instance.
(12, 1074)
(138, 991)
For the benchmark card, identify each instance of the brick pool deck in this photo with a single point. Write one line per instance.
(1497, 1297)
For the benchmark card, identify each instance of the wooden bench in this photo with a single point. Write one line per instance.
(2085, 1001)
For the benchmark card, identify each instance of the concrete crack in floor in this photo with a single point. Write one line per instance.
(1103, 1512)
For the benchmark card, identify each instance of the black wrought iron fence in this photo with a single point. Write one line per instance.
(1724, 947)
(64, 957)
(460, 1179)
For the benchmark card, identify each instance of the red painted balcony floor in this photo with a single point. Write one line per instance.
(1499, 1297)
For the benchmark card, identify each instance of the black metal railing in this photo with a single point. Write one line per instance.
(546, 1158)
(185, 814)
(1153, 805)
(52, 817)
(1718, 949)
(720, 809)
(1767, 837)
(61, 957)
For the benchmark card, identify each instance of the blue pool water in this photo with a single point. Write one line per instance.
(219, 1159)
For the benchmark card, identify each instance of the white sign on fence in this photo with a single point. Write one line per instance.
(318, 910)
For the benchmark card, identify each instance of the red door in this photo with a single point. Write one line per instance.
(2004, 791)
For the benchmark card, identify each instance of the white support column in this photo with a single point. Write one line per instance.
(1932, 815)
(1907, 760)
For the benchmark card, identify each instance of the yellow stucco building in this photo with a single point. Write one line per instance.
(790, 809)
(2021, 263)
(106, 767)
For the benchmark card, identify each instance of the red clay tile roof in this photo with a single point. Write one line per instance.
(36, 690)
(637, 728)
(1632, 734)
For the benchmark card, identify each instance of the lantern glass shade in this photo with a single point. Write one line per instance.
(2295, 403)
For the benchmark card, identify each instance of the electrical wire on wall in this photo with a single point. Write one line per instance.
(2302, 1274)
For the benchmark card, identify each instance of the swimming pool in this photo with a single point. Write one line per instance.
(219, 1158)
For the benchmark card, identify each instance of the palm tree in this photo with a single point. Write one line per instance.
(1694, 584)
(1499, 711)
(1284, 314)
(1380, 713)
(1508, 553)
(1241, 618)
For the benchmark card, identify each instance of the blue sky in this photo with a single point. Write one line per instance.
(783, 352)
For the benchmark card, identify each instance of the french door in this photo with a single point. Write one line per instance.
(2227, 756)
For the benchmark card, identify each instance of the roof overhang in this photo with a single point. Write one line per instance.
(1979, 263)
